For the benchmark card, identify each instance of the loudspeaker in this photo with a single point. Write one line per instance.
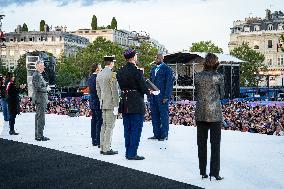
(231, 74)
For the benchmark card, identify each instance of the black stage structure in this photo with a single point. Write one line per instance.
(186, 64)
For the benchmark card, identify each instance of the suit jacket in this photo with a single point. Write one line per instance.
(209, 87)
(163, 80)
(107, 89)
(133, 88)
(39, 89)
(94, 99)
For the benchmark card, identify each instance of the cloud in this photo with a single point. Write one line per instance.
(60, 3)
(6, 3)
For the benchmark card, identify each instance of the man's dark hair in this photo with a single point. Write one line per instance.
(107, 63)
(94, 67)
(211, 62)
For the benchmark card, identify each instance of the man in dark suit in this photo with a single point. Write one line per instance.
(162, 76)
(132, 106)
(97, 119)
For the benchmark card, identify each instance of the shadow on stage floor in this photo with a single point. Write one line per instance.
(29, 166)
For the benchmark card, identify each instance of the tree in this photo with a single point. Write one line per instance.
(42, 24)
(253, 63)
(205, 46)
(3, 69)
(68, 73)
(113, 24)
(146, 55)
(94, 23)
(21, 71)
(25, 28)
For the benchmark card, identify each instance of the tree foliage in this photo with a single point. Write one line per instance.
(41, 25)
(25, 28)
(146, 55)
(205, 46)
(113, 24)
(3, 69)
(94, 23)
(70, 71)
(253, 63)
(21, 71)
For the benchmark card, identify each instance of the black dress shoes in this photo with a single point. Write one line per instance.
(42, 139)
(217, 177)
(13, 133)
(153, 138)
(204, 176)
(162, 139)
(135, 158)
(110, 152)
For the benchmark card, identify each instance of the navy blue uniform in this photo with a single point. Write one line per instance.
(163, 79)
(132, 106)
(97, 120)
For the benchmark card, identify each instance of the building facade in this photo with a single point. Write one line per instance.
(55, 42)
(263, 35)
(121, 37)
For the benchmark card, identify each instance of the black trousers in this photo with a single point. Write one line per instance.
(12, 119)
(215, 139)
(96, 124)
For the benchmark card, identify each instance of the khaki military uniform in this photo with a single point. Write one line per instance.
(107, 90)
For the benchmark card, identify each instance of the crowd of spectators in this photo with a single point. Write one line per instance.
(238, 116)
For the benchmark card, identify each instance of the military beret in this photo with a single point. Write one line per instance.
(129, 53)
(109, 58)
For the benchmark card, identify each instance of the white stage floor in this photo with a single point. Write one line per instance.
(248, 161)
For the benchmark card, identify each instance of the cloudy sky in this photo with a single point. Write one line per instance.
(174, 23)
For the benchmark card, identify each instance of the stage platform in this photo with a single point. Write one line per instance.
(249, 161)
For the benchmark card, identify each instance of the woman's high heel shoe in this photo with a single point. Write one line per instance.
(217, 177)
(204, 176)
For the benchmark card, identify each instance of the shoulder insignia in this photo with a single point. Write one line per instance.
(113, 77)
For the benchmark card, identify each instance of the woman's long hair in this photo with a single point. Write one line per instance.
(211, 62)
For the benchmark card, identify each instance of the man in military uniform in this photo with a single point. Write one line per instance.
(40, 100)
(132, 106)
(107, 91)
(162, 77)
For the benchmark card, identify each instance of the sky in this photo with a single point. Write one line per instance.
(175, 24)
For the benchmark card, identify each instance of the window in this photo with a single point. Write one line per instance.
(270, 27)
(256, 28)
(281, 60)
(269, 44)
(269, 60)
(256, 47)
(30, 39)
(246, 29)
